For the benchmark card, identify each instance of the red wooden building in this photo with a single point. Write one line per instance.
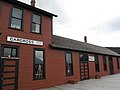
(33, 58)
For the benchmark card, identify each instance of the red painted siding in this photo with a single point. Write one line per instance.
(55, 59)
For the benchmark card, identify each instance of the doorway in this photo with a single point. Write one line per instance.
(84, 67)
(9, 68)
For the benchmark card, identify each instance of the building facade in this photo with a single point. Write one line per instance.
(33, 58)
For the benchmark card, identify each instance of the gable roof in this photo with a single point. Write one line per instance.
(26, 6)
(69, 44)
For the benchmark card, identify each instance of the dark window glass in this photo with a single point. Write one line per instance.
(7, 51)
(69, 65)
(118, 63)
(10, 52)
(0, 7)
(16, 18)
(14, 52)
(97, 69)
(35, 28)
(39, 69)
(36, 24)
(83, 57)
(104, 63)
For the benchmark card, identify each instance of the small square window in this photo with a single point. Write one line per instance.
(10, 52)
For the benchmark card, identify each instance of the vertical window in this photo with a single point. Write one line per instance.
(118, 63)
(104, 63)
(39, 64)
(0, 7)
(16, 18)
(97, 69)
(69, 64)
(36, 24)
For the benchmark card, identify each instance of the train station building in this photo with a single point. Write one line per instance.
(33, 58)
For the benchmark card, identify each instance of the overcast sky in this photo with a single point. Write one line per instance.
(99, 20)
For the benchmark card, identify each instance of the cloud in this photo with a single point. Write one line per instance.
(52, 6)
(109, 26)
(114, 24)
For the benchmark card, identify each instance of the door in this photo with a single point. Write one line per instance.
(9, 68)
(111, 65)
(84, 67)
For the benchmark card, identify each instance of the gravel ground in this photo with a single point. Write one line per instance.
(111, 82)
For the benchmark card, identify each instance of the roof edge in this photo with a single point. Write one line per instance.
(27, 6)
(56, 47)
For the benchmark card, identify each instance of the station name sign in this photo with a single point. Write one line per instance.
(23, 40)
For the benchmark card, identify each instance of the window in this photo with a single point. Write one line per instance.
(104, 63)
(118, 63)
(97, 69)
(16, 18)
(69, 65)
(36, 24)
(39, 64)
(10, 52)
(0, 7)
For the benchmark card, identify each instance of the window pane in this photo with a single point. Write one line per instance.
(35, 28)
(104, 63)
(15, 23)
(7, 52)
(36, 19)
(68, 57)
(38, 57)
(83, 57)
(14, 52)
(0, 7)
(96, 59)
(39, 71)
(69, 69)
(17, 13)
(97, 64)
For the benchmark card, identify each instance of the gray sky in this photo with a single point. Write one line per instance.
(99, 20)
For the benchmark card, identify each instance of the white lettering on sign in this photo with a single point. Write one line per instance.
(23, 40)
(91, 58)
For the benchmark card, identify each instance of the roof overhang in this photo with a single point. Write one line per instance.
(34, 9)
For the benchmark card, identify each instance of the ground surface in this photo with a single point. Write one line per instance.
(111, 82)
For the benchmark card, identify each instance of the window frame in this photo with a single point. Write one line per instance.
(97, 67)
(0, 8)
(44, 64)
(67, 74)
(9, 46)
(118, 63)
(40, 25)
(22, 18)
(104, 63)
